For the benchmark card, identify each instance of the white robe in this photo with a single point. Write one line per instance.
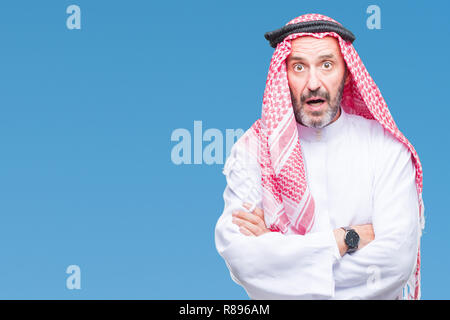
(358, 173)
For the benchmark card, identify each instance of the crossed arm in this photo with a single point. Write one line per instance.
(270, 265)
(252, 224)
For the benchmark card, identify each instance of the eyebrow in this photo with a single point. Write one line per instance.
(321, 57)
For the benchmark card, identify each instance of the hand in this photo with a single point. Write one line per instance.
(365, 232)
(250, 224)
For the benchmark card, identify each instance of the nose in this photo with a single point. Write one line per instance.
(313, 81)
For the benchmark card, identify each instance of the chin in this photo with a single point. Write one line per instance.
(318, 125)
(313, 121)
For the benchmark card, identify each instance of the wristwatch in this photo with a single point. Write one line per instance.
(351, 239)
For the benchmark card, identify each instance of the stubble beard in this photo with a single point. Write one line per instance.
(317, 119)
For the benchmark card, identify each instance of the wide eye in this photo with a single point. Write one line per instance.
(298, 67)
(327, 65)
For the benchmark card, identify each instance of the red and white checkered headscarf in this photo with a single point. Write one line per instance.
(274, 139)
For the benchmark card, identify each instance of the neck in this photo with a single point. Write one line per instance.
(332, 130)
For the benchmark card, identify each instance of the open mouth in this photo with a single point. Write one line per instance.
(315, 102)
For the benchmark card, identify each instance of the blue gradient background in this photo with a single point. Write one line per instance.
(86, 117)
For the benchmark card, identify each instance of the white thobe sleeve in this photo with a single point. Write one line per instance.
(273, 265)
(382, 268)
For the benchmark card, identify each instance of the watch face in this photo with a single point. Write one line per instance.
(352, 239)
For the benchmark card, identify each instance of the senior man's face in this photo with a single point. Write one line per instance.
(316, 74)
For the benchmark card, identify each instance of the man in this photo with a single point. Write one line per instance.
(324, 193)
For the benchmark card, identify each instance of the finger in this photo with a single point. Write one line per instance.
(258, 211)
(250, 226)
(249, 206)
(247, 216)
(246, 232)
